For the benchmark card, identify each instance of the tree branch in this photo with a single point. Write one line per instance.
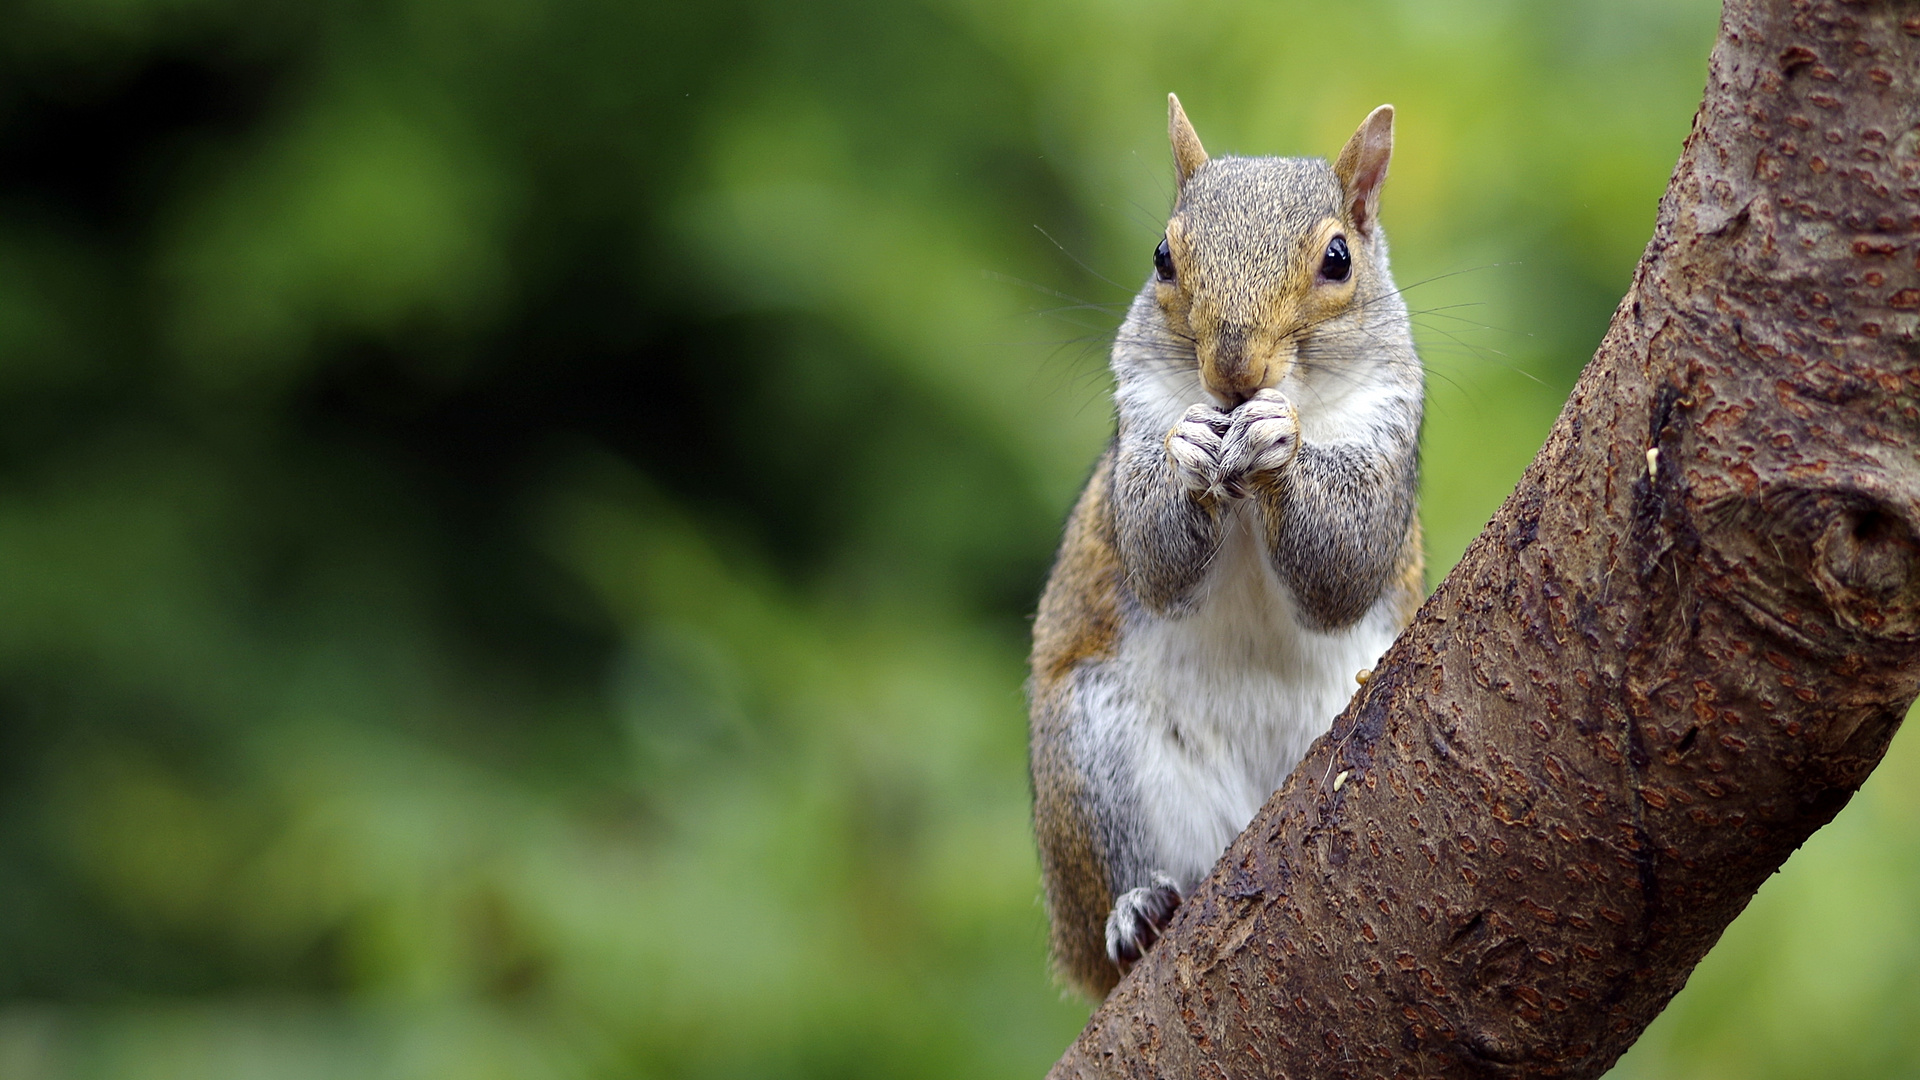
(1676, 651)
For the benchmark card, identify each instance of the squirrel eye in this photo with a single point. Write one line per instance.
(1163, 261)
(1337, 263)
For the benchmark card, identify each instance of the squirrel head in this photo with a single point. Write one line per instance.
(1260, 252)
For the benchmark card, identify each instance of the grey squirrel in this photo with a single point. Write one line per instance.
(1246, 545)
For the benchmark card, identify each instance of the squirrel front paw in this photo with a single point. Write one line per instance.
(1138, 918)
(1194, 446)
(1264, 435)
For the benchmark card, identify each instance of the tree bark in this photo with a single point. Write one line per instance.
(1676, 651)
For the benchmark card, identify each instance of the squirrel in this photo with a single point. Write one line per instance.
(1247, 545)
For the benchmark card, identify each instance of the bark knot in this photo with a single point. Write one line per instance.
(1867, 566)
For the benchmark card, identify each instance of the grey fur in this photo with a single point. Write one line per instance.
(1338, 517)
(1278, 503)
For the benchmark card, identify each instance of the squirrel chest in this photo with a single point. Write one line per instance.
(1247, 544)
(1208, 707)
(1229, 699)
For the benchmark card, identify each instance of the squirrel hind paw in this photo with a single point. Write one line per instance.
(1138, 918)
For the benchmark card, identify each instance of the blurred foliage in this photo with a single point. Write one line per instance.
(517, 518)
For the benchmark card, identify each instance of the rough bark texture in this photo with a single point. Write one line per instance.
(1676, 652)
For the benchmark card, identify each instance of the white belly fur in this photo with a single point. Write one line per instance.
(1233, 692)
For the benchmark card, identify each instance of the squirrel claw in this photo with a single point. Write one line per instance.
(1264, 437)
(1139, 917)
(1194, 446)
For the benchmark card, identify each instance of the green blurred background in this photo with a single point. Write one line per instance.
(518, 518)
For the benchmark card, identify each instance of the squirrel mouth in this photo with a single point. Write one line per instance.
(1233, 379)
(1230, 398)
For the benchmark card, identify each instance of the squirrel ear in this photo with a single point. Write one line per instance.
(1188, 154)
(1362, 166)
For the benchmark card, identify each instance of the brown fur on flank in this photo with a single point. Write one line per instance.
(1077, 621)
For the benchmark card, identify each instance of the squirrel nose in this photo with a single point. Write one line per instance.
(1230, 395)
(1239, 364)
